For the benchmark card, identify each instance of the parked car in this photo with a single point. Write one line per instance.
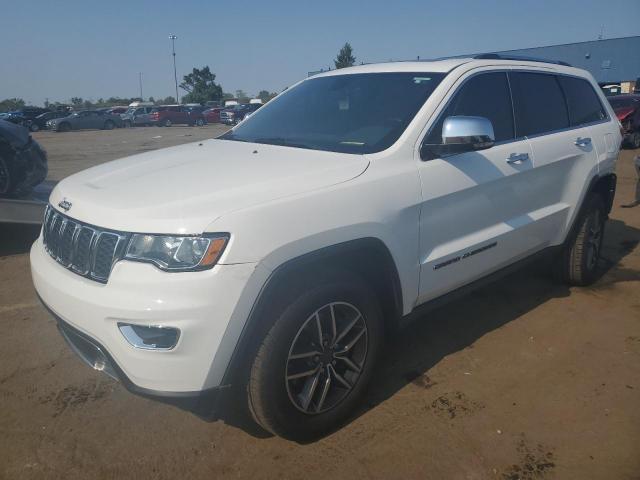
(235, 114)
(40, 122)
(212, 115)
(137, 116)
(167, 115)
(85, 119)
(627, 108)
(23, 163)
(276, 258)
(17, 118)
(117, 110)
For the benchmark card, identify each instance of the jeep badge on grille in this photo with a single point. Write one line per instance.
(65, 205)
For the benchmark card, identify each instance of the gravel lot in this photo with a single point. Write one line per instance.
(523, 379)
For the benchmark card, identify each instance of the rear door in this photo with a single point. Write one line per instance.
(587, 110)
(564, 156)
(476, 215)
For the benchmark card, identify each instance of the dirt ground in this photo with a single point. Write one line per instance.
(523, 379)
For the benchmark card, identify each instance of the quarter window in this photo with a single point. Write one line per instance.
(485, 95)
(583, 103)
(538, 103)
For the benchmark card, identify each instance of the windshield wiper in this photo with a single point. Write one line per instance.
(280, 141)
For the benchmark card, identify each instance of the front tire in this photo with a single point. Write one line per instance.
(314, 364)
(199, 122)
(578, 263)
(6, 177)
(34, 127)
(109, 125)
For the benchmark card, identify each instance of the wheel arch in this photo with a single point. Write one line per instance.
(604, 185)
(368, 257)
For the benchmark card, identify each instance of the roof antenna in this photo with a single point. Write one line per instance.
(601, 36)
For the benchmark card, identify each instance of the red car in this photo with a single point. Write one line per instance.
(167, 115)
(212, 115)
(627, 108)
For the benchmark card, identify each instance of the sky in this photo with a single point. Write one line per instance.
(60, 49)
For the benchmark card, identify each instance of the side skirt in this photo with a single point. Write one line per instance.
(545, 255)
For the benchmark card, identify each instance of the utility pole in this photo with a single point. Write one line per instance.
(140, 78)
(175, 73)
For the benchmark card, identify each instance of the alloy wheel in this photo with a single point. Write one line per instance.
(326, 358)
(594, 241)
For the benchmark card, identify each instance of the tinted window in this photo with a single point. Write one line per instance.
(584, 104)
(624, 102)
(538, 103)
(353, 113)
(485, 95)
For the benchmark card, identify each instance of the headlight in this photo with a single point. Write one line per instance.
(176, 253)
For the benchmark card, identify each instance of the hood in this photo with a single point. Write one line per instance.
(183, 189)
(623, 112)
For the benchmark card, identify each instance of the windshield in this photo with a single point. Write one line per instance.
(352, 113)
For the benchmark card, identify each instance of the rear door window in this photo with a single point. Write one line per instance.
(582, 101)
(538, 103)
(484, 95)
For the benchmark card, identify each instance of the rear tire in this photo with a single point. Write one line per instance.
(199, 122)
(34, 127)
(109, 125)
(166, 123)
(64, 127)
(578, 262)
(634, 140)
(308, 406)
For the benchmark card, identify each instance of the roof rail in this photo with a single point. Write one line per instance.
(497, 56)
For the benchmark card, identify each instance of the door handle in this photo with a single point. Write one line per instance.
(582, 142)
(517, 158)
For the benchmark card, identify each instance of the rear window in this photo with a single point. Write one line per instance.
(538, 103)
(582, 101)
(625, 102)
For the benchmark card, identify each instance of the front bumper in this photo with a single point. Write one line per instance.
(202, 305)
(207, 404)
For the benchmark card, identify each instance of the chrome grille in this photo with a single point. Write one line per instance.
(84, 249)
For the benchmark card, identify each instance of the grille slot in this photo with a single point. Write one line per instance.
(86, 250)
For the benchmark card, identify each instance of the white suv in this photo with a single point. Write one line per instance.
(268, 264)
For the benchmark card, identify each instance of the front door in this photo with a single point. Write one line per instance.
(476, 214)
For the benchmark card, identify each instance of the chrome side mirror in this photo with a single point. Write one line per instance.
(461, 134)
(468, 133)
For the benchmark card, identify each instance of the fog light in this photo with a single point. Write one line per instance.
(150, 338)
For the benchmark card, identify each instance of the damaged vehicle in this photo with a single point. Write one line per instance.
(23, 162)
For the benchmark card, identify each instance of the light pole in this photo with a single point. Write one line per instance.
(175, 73)
(140, 78)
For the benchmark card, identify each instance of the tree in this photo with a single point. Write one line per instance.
(201, 86)
(167, 101)
(77, 101)
(265, 95)
(11, 104)
(152, 100)
(345, 57)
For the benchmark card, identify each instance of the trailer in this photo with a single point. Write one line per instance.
(28, 210)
